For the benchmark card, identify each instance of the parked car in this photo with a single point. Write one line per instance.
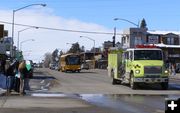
(52, 66)
(85, 66)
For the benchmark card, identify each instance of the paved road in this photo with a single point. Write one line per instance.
(97, 82)
(90, 91)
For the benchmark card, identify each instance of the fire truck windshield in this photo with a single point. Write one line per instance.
(147, 55)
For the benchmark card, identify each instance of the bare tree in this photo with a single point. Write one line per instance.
(47, 60)
(55, 56)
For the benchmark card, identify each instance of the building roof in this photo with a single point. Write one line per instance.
(163, 32)
(167, 46)
(143, 49)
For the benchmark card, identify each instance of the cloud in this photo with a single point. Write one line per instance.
(49, 40)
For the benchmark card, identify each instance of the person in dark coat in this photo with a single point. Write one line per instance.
(10, 73)
(17, 78)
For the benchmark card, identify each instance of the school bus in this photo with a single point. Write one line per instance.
(70, 62)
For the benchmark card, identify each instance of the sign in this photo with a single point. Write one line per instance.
(153, 39)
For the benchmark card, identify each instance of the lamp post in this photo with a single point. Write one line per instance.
(13, 19)
(70, 43)
(137, 25)
(115, 19)
(93, 46)
(24, 42)
(19, 35)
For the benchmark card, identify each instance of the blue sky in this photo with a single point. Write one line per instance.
(84, 15)
(159, 14)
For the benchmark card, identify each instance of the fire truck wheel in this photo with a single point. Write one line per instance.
(114, 81)
(164, 85)
(133, 85)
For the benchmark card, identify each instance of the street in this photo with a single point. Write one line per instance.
(96, 56)
(98, 82)
(89, 91)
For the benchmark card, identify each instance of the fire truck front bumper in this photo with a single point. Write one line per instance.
(151, 80)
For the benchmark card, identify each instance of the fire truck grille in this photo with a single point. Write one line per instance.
(152, 70)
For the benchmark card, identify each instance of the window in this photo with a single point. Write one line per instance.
(138, 40)
(170, 40)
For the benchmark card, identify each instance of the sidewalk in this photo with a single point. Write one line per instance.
(177, 76)
(2, 91)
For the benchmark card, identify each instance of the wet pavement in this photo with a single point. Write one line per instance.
(117, 103)
(147, 99)
(130, 103)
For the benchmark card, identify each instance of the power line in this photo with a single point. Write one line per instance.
(64, 30)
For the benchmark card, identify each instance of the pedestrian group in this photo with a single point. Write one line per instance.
(17, 75)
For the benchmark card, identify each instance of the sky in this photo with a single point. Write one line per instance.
(83, 15)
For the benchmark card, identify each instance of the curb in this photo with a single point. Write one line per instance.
(3, 94)
(175, 77)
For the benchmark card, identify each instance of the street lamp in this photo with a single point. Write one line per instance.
(19, 34)
(137, 25)
(93, 45)
(115, 19)
(24, 42)
(13, 19)
(70, 43)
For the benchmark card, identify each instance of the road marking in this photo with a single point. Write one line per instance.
(43, 89)
(42, 81)
(47, 95)
(47, 85)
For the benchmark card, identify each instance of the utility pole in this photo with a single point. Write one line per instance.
(114, 37)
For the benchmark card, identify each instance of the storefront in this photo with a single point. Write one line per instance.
(171, 54)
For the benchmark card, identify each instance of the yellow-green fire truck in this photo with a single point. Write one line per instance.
(135, 66)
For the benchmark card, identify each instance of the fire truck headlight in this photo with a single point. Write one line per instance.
(166, 71)
(137, 71)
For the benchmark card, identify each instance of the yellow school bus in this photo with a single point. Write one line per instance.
(70, 62)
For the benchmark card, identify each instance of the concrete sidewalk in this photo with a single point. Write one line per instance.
(2, 91)
(176, 77)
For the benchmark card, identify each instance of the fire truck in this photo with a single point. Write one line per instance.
(135, 66)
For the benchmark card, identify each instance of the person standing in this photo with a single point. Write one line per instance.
(22, 73)
(25, 71)
(28, 75)
(17, 78)
(10, 74)
(174, 69)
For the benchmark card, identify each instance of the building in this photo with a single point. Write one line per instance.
(133, 36)
(168, 42)
(107, 45)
